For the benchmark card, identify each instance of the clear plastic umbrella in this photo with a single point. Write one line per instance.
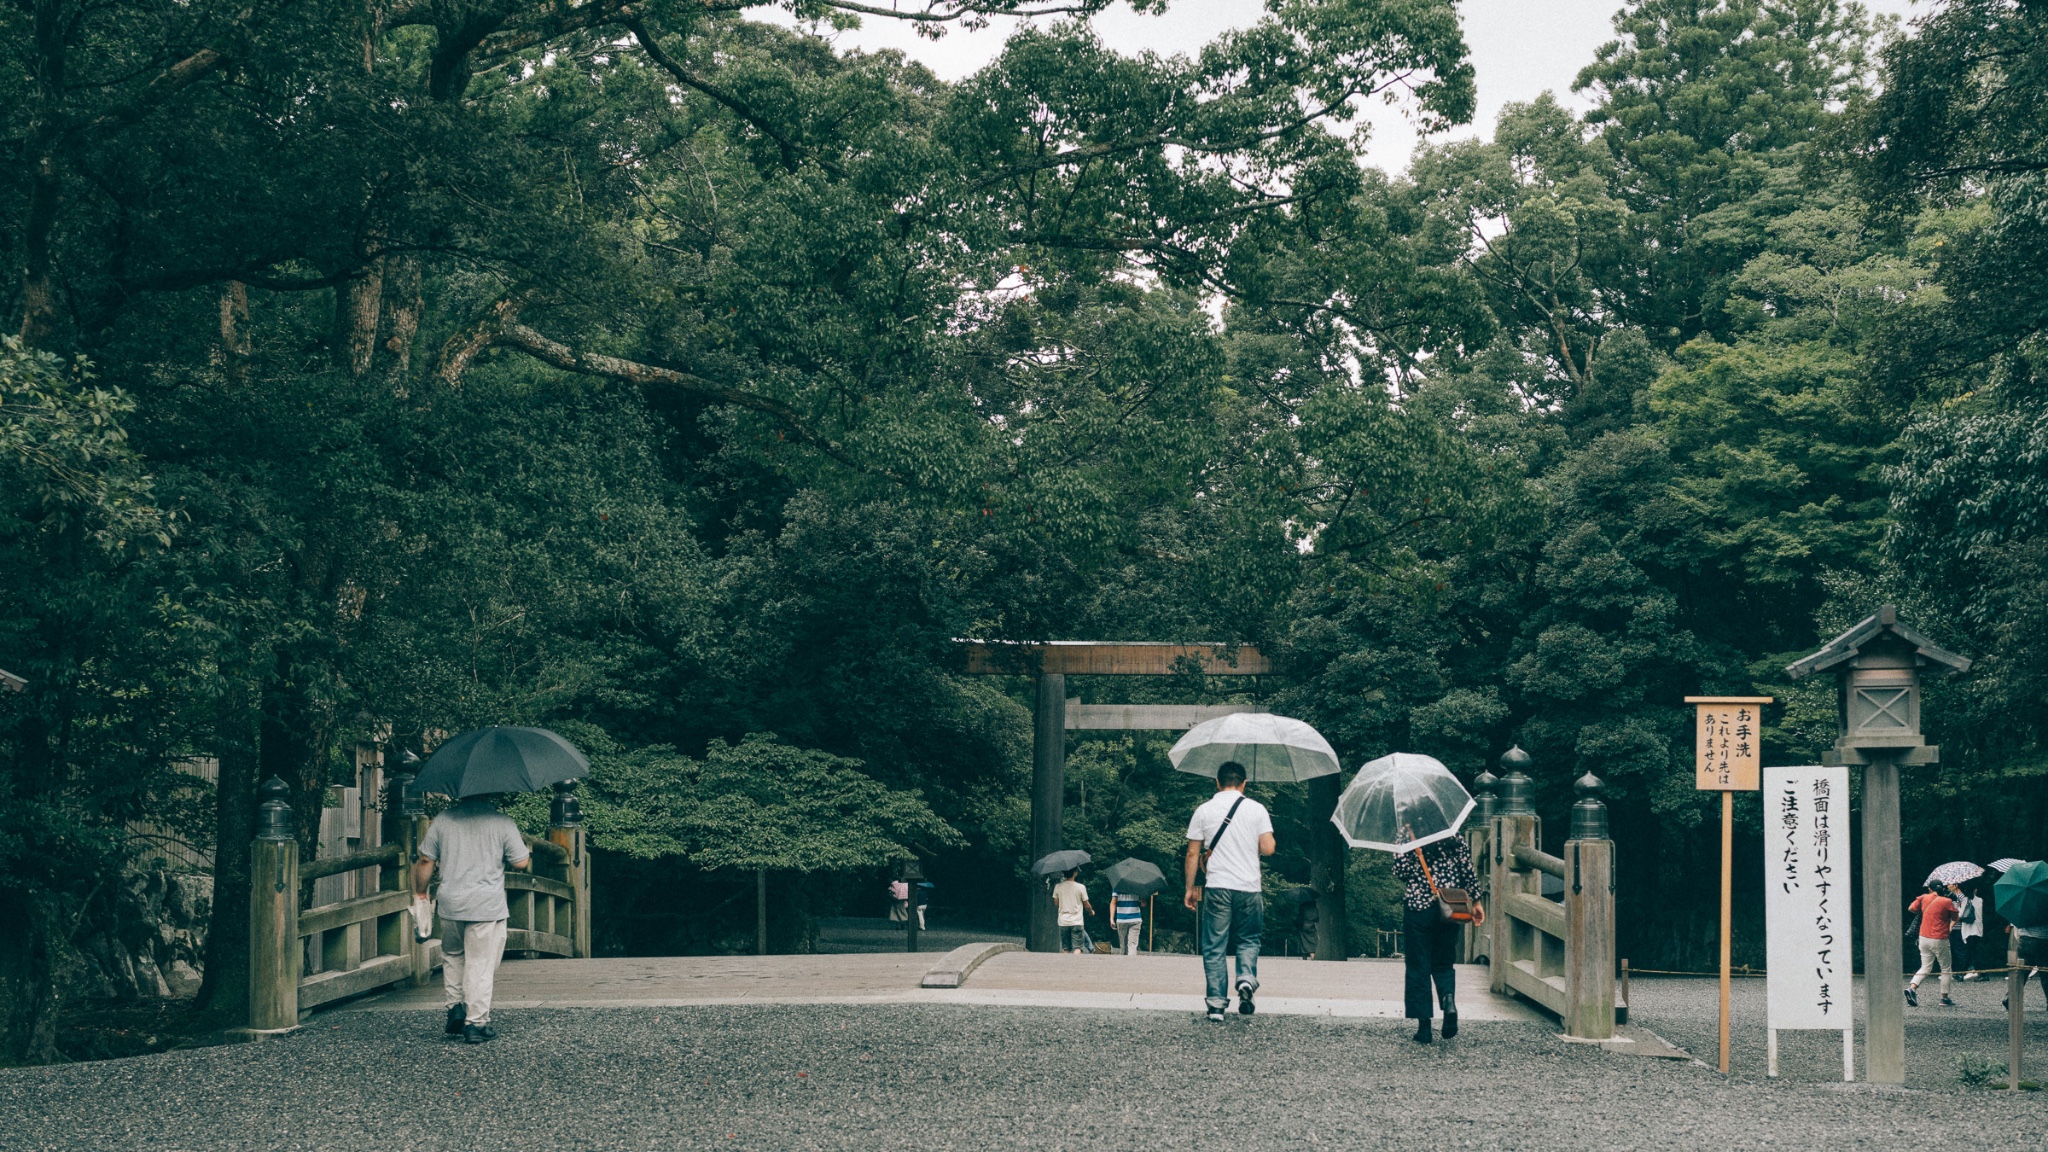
(1271, 748)
(1401, 802)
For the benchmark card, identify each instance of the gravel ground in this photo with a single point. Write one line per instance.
(1938, 1039)
(801, 1077)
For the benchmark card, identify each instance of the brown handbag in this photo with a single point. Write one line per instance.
(1454, 905)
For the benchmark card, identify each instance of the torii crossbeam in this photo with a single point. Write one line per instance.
(1051, 662)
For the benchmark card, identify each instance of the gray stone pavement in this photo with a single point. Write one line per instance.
(1365, 988)
(959, 1076)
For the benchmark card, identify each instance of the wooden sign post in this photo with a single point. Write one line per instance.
(1727, 743)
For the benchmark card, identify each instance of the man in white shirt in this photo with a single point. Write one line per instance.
(1226, 837)
(1070, 896)
(472, 843)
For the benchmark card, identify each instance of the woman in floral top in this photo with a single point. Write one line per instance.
(1428, 940)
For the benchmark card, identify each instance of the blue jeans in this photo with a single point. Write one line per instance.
(1074, 937)
(1224, 913)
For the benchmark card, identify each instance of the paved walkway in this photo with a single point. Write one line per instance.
(1173, 983)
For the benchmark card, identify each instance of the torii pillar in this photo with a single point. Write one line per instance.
(1051, 663)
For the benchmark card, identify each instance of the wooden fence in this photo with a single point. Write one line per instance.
(303, 955)
(1559, 954)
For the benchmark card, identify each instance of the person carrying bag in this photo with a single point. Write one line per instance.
(1437, 903)
(1226, 837)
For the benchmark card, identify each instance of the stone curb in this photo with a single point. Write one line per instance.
(953, 968)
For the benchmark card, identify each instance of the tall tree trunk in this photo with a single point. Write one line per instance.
(357, 305)
(53, 20)
(28, 986)
(401, 318)
(292, 743)
(1328, 855)
(225, 988)
(233, 352)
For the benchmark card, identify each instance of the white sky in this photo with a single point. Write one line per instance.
(1519, 48)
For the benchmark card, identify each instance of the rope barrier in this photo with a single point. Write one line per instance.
(1758, 972)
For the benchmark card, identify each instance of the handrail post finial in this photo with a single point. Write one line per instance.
(274, 814)
(1589, 815)
(1516, 786)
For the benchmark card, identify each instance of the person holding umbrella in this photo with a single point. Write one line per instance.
(1229, 833)
(1226, 837)
(1130, 882)
(471, 844)
(1412, 806)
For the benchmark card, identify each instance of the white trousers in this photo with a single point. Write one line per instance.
(470, 951)
(1933, 952)
(1129, 932)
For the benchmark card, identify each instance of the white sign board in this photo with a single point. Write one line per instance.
(1806, 902)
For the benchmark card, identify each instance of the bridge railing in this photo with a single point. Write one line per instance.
(302, 956)
(1558, 953)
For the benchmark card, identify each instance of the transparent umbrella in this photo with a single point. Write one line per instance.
(1401, 802)
(1270, 748)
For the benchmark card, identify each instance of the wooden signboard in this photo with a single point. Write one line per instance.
(1728, 750)
(1727, 742)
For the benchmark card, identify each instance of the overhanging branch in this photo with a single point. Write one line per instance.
(556, 354)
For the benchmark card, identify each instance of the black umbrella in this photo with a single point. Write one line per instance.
(1298, 896)
(1135, 877)
(501, 760)
(1060, 862)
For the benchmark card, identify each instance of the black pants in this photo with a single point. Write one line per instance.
(1428, 942)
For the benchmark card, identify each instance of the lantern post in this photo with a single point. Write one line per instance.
(1878, 665)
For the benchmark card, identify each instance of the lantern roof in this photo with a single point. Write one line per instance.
(1879, 625)
(11, 682)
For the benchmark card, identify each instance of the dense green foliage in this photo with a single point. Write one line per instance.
(661, 375)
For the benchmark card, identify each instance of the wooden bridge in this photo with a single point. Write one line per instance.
(304, 954)
(314, 943)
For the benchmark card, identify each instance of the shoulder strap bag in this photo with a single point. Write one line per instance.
(1452, 904)
(1202, 862)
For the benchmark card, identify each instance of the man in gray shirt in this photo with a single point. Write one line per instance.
(473, 843)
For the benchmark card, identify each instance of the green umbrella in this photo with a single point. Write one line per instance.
(501, 760)
(2021, 895)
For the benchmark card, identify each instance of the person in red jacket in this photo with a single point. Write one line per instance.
(1937, 915)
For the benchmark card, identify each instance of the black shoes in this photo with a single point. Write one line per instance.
(1245, 1007)
(1912, 998)
(1450, 1025)
(1422, 1035)
(478, 1033)
(456, 1015)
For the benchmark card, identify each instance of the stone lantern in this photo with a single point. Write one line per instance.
(1878, 665)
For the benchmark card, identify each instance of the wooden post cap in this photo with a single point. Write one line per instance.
(274, 814)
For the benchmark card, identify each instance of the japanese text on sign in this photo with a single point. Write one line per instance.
(1806, 909)
(1728, 742)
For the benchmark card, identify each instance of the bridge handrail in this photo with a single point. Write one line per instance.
(1557, 953)
(1541, 861)
(303, 956)
(335, 865)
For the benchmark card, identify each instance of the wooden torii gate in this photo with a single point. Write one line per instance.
(1051, 662)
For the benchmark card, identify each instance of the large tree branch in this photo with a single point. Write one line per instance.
(941, 12)
(556, 354)
(791, 148)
